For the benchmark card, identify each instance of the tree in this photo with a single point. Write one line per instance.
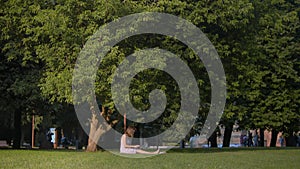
(219, 24)
(263, 69)
(72, 22)
(20, 68)
(62, 28)
(275, 104)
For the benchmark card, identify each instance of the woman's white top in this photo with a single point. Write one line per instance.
(125, 150)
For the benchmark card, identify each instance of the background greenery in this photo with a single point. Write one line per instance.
(258, 42)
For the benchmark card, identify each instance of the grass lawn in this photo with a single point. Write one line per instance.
(187, 158)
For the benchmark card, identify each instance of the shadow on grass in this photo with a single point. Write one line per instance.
(174, 150)
(218, 150)
(48, 150)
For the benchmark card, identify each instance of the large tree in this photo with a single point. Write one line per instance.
(276, 107)
(62, 28)
(20, 68)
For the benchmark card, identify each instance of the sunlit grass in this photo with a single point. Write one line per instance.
(187, 158)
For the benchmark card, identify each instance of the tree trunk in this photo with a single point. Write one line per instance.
(17, 130)
(227, 135)
(213, 140)
(92, 146)
(55, 145)
(182, 144)
(97, 127)
(92, 143)
(261, 137)
(274, 138)
(291, 140)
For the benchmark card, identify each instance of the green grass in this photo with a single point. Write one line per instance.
(187, 158)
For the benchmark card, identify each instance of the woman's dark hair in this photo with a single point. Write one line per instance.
(130, 131)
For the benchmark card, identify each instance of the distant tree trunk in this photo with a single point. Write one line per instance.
(274, 138)
(55, 145)
(17, 129)
(291, 140)
(227, 135)
(182, 144)
(213, 140)
(261, 137)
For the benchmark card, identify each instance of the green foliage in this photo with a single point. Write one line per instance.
(20, 68)
(275, 101)
(258, 43)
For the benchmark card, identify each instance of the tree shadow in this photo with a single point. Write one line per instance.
(220, 150)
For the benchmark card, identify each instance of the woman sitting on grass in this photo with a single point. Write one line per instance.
(126, 146)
